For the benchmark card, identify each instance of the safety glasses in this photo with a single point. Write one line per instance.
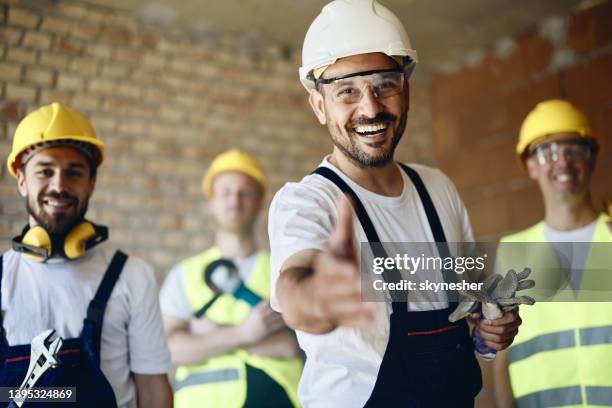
(349, 89)
(574, 151)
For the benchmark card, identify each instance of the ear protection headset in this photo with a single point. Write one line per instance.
(36, 244)
(222, 277)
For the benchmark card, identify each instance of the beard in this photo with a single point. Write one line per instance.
(350, 147)
(57, 226)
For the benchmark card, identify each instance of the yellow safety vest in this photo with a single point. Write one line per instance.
(562, 355)
(221, 381)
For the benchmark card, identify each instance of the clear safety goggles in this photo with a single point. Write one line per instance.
(571, 151)
(350, 88)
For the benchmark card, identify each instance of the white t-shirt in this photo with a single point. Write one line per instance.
(342, 366)
(572, 249)
(55, 295)
(172, 297)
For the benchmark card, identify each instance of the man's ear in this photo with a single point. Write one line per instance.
(317, 103)
(21, 184)
(532, 167)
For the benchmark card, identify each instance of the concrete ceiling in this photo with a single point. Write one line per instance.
(442, 31)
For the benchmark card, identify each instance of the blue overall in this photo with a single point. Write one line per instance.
(79, 357)
(428, 362)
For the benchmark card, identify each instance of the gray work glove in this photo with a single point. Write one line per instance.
(496, 297)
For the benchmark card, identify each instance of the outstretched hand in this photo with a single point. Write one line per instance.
(336, 279)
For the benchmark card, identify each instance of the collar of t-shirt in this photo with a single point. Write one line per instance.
(369, 195)
(245, 266)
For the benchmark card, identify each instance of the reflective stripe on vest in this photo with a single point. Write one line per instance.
(562, 353)
(552, 341)
(221, 380)
(601, 396)
(207, 377)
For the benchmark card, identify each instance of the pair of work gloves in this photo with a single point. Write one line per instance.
(497, 296)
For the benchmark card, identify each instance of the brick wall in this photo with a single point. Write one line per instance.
(478, 111)
(165, 105)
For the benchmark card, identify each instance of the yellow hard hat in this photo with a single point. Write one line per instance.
(53, 123)
(233, 160)
(552, 117)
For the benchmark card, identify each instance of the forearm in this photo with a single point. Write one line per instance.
(188, 348)
(501, 381)
(282, 344)
(153, 391)
(296, 293)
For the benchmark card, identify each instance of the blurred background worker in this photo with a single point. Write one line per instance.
(229, 353)
(103, 305)
(562, 355)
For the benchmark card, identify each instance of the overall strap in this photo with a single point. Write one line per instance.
(434, 224)
(3, 341)
(97, 306)
(368, 227)
(430, 209)
(432, 217)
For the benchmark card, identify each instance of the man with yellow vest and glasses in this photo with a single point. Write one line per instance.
(231, 348)
(562, 356)
(94, 310)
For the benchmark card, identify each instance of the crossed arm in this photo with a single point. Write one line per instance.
(263, 332)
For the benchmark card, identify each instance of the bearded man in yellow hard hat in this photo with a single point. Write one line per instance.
(102, 308)
(232, 349)
(562, 355)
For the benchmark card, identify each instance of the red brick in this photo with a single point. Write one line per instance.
(70, 45)
(589, 83)
(521, 101)
(591, 28)
(526, 206)
(115, 36)
(147, 41)
(446, 134)
(490, 215)
(11, 111)
(465, 171)
(23, 18)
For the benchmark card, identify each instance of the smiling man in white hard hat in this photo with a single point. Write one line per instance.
(563, 354)
(356, 62)
(102, 303)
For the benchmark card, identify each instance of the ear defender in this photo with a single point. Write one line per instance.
(82, 237)
(35, 243)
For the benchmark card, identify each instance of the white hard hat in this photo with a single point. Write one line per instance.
(352, 27)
